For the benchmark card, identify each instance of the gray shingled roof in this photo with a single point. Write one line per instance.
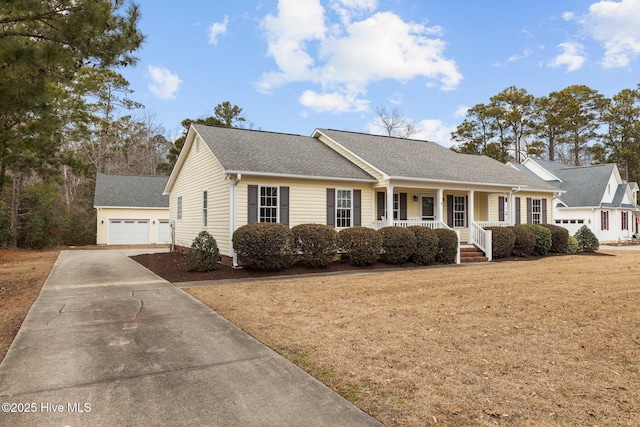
(240, 150)
(414, 159)
(584, 185)
(130, 191)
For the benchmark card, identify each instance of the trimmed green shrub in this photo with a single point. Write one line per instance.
(525, 243)
(315, 245)
(587, 241)
(426, 245)
(559, 238)
(361, 245)
(203, 254)
(266, 246)
(572, 245)
(543, 238)
(447, 245)
(398, 244)
(502, 241)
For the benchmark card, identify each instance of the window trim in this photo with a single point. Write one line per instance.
(535, 200)
(604, 220)
(625, 220)
(205, 208)
(179, 207)
(456, 202)
(350, 218)
(261, 206)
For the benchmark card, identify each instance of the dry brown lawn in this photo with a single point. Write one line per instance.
(22, 274)
(554, 341)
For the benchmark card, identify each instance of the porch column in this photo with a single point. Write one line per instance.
(512, 208)
(470, 213)
(389, 205)
(440, 205)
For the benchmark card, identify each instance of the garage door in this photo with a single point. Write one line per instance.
(164, 232)
(128, 232)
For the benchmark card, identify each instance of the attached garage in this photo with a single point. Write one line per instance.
(131, 210)
(128, 232)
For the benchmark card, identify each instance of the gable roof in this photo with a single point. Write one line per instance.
(422, 160)
(269, 153)
(133, 191)
(584, 185)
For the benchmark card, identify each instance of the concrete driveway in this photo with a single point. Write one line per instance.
(108, 343)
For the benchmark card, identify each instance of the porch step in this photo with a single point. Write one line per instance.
(471, 254)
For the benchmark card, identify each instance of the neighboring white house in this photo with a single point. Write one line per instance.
(131, 210)
(225, 178)
(595, 196)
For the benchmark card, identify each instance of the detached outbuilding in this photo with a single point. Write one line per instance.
(131, 210)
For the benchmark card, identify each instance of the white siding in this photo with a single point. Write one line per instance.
(201, 171)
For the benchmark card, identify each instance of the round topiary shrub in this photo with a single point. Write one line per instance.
(361, 245)
(587, 241)
(315, 245)
(265, 246)
(572, 245)
(447, 245)
(426, 245)
(398, 244)
(543, 238)
(203, 254)
(502, 242)
(559, 238)
(525, 243)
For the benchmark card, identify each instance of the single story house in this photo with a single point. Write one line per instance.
(595, 196)
(225, 178)
(131, 210)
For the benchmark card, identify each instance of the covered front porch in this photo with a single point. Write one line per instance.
(466, 211)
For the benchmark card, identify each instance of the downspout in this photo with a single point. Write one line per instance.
(233, 222)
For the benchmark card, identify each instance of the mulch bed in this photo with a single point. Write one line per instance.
(171, 267)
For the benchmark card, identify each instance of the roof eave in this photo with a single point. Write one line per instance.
(293, 176)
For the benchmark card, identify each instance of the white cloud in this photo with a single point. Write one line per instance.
(572, 56)
(164, 83)
(332, 102)
(434, 130)
(217, 29)
(568, 16)
(461, 112)
(615, 25)
(344, 58)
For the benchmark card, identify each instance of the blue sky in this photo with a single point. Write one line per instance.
(297, 65)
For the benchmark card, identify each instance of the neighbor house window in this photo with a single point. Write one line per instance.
(205, 208)
(536, 211)
(179, 207)
(268, 204)
(343, 208)
(625, 220)
(604, 220)
(459, 211)
(396, 206)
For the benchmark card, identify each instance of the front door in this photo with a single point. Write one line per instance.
(427, 208)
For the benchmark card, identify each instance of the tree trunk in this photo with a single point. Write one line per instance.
(15, 208)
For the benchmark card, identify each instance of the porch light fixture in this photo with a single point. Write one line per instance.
(415, 198)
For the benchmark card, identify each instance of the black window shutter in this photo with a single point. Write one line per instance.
(284, 205)
(518, 214)
(450, 210)
(253, 204)
(403, 206)
(357, 208)
(466, 211)
(544, 211)
(501, 208)
(331, 207)
(380, 195)
(529, 211)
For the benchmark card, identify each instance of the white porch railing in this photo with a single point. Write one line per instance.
(485, 224)
(377, 225)
(482, 238)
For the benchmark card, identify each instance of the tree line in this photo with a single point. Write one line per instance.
(576, 125)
